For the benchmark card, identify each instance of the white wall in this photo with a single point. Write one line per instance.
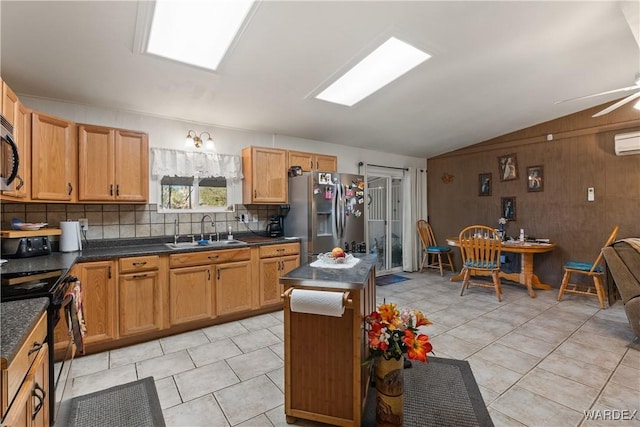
(169, 133)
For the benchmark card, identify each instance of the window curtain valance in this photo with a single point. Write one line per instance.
(167, 162)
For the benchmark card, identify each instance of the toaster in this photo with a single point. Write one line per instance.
(25, 247)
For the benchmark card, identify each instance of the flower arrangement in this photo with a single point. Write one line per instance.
(502, 221)
(393, 333)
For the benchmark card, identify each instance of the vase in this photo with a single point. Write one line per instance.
(389, 391)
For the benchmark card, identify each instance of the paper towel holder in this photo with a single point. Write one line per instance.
(346, 301)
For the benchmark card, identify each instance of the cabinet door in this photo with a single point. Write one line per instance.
(269, 284)
(22, 137)
(132, 166)
(99, 300)
(39, 409)
(140, 303)
(18, 414)
(190, 294)
(96, 168)
(233, 287)
(265, 173)
(304, 160)
(53, 158)
(326, 163)
(9, 104)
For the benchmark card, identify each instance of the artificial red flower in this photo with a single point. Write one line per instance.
(421, 320)
(417, 347)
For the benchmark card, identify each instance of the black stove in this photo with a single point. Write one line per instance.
(48, 284)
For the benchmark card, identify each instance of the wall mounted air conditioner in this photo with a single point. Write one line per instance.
(627, 143)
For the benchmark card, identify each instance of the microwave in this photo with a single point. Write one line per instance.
(9, 156)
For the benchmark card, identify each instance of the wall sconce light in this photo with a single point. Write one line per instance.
(195, 139)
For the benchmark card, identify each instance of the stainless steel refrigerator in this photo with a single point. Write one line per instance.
(327, 210)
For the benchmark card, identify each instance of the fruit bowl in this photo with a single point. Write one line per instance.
(330, 259)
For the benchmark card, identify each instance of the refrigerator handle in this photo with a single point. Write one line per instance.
(343, 206)
(336, 212)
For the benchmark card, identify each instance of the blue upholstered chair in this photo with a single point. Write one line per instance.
(480, 248)
(432, 253)
(594, 270)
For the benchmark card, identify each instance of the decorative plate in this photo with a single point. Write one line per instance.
(329, 259)
(30, 226)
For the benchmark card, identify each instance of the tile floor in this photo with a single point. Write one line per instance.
(537, 362)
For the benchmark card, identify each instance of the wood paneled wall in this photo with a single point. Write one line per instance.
(581, 155)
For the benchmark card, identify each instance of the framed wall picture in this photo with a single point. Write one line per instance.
(508, 205)
(535, 178)
(508, 167)
(484, 184)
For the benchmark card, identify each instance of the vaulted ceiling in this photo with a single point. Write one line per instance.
(496, 66)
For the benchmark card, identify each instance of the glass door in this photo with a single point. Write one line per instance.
(384, 220)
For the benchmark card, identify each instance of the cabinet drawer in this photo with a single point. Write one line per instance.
(139, 263)
(279, 250)
(25, 356)
(188, 259)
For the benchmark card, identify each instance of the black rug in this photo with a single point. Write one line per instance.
(439, 393)
(390, 279)
(134, 404)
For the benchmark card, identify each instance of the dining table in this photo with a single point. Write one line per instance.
(526, 276)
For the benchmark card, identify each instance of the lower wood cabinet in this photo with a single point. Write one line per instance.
(140, 296)
(190, 294)
(276, 261)
(98, 280)
(233, 287)
(25, 382)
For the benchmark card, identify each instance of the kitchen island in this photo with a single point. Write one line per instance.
(325, 380)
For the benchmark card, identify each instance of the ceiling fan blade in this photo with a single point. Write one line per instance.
(617, 104)
(624, 89)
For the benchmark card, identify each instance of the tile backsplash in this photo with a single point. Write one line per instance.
(128, 221)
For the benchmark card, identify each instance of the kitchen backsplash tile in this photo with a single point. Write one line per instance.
(129, 221)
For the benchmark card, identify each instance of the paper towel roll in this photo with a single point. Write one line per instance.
(317, 302)
(70, 241)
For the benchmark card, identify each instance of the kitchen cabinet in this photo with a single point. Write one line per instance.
(276, 261)
(9, 104)
(208, 284)
(25, 382)
(54, 158)
(265, 175)
(233, 287)
(140, 296)
(98, 281)
(113, 165)
(313, 162)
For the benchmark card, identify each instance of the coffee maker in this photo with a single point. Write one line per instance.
(275, 227)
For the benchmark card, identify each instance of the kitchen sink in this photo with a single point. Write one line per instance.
(209, 244)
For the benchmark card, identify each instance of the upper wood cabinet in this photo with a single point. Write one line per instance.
(9, 104)
(312, 161)
(265, 175)
(113, 164)
(54, 159)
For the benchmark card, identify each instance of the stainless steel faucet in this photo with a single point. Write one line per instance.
(213, 224)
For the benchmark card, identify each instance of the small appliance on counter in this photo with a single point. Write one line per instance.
(25, 247)
(71, 238)
(274, 229)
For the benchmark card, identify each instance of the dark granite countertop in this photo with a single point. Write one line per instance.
(348, 278)
(116, 248)
(17, 320)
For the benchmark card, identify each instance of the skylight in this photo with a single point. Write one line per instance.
(196, 32)
(389, 61)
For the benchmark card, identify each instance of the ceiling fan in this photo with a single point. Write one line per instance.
(636, 86)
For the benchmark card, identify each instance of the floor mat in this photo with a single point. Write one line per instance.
(439, 393)
(134, 404)
(390, 279)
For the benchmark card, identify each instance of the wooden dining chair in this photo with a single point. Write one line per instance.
(594, 270)
(432, 253)
(480, 247)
